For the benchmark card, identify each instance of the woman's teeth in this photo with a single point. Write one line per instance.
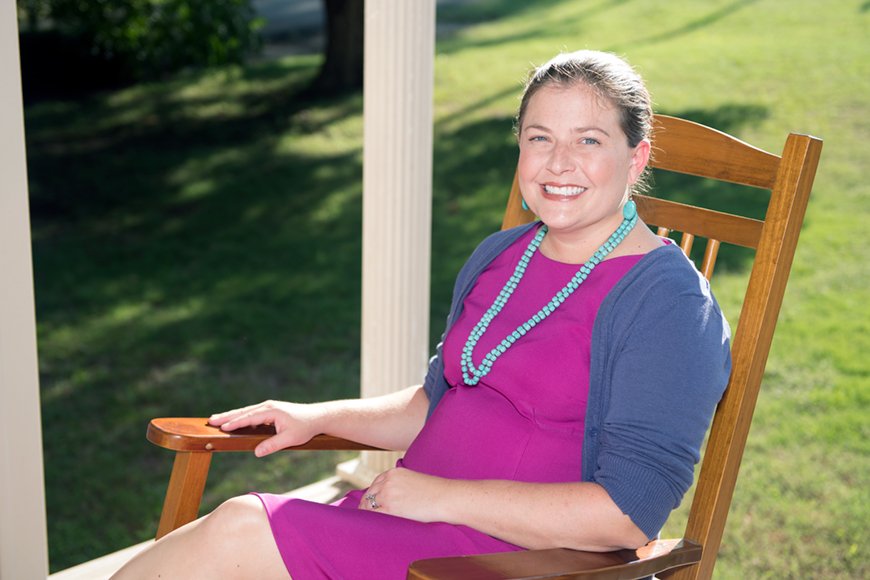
(566, 191)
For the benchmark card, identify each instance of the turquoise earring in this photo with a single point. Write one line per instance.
(525, 205)
(629, 210)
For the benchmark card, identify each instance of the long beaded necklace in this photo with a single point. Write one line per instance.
(471, 374)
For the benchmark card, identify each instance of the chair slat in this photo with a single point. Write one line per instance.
(687, 147)
(686, 243)
(710, 254)
(701, 222)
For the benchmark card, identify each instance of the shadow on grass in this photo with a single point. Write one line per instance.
(184, 264)
(689, 27)
(490, 10)
(481, 12)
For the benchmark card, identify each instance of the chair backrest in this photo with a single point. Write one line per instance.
(686, 147)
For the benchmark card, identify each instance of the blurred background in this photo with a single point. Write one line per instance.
(195, 186)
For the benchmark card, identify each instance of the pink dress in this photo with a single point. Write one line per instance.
(524, 421)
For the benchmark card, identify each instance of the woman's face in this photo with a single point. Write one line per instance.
(575, 163)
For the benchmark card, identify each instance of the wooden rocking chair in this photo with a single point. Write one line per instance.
(679, 146)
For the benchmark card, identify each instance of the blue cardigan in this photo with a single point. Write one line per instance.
(660, 363)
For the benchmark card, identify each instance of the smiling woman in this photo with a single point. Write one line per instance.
(534, 424)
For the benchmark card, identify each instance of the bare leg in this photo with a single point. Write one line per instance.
(233, 542)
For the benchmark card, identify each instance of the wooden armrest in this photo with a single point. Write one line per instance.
(561, 564)
(194, 440)
(194, 434)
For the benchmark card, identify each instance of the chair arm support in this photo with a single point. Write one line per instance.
(196, 435)
(194, 440)
(561, 564)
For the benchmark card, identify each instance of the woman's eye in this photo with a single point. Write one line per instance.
(538, 138)
(589, 141)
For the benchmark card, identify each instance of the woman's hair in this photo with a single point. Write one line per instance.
(610, 77)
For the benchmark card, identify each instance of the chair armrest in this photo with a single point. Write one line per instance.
(561, 564)
(194, 434)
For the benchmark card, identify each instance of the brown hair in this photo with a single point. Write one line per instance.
(609, 75)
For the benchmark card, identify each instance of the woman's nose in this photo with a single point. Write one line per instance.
(561, 160)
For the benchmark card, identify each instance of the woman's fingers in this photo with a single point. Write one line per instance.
(369, 499)
(272, 412)
(221, 419)
(283, 439)
(406, 493)
(293, 423)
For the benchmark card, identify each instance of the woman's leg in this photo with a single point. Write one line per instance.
(233, 542)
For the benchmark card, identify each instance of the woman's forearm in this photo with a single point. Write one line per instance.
(389, 421)
(580, 516)
(532, 515)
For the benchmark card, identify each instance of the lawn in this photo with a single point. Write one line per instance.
(197, 246)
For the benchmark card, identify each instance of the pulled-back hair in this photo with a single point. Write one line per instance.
(610, 76)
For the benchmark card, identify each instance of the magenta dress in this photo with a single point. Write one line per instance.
(524, 421)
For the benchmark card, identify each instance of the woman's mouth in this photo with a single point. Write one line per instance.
(564, 191)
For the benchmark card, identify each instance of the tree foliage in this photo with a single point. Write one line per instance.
(149, 38)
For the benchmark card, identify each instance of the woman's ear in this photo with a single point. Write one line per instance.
(639, 160)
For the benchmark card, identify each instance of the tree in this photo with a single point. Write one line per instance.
(149, 38)
(342, 69)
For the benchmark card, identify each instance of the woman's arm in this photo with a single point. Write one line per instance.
(390, 422)
(532, 515)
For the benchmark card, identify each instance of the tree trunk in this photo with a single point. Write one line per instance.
(343, 68)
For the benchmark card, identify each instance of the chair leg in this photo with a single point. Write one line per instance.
(185, 490)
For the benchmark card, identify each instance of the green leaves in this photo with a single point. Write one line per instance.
(151, 38)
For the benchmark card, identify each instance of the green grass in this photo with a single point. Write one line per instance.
(197, 246)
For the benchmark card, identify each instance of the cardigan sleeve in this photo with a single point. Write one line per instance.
(665, 359)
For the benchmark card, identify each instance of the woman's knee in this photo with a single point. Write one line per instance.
(238, 515)
(239, 540)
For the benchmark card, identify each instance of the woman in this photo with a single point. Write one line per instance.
(566, 406)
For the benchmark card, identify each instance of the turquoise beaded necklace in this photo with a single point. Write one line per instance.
(471, 374)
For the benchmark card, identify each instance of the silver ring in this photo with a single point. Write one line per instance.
(371, 498)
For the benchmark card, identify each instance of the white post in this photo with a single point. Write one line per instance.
(397, 203)
(23, 543)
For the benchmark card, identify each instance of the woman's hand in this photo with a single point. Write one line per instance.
(294, 423)
(409, 494)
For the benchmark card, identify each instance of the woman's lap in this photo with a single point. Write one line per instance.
(339, 541)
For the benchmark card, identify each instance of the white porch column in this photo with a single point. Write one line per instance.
(23, 543)
(397, 203)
